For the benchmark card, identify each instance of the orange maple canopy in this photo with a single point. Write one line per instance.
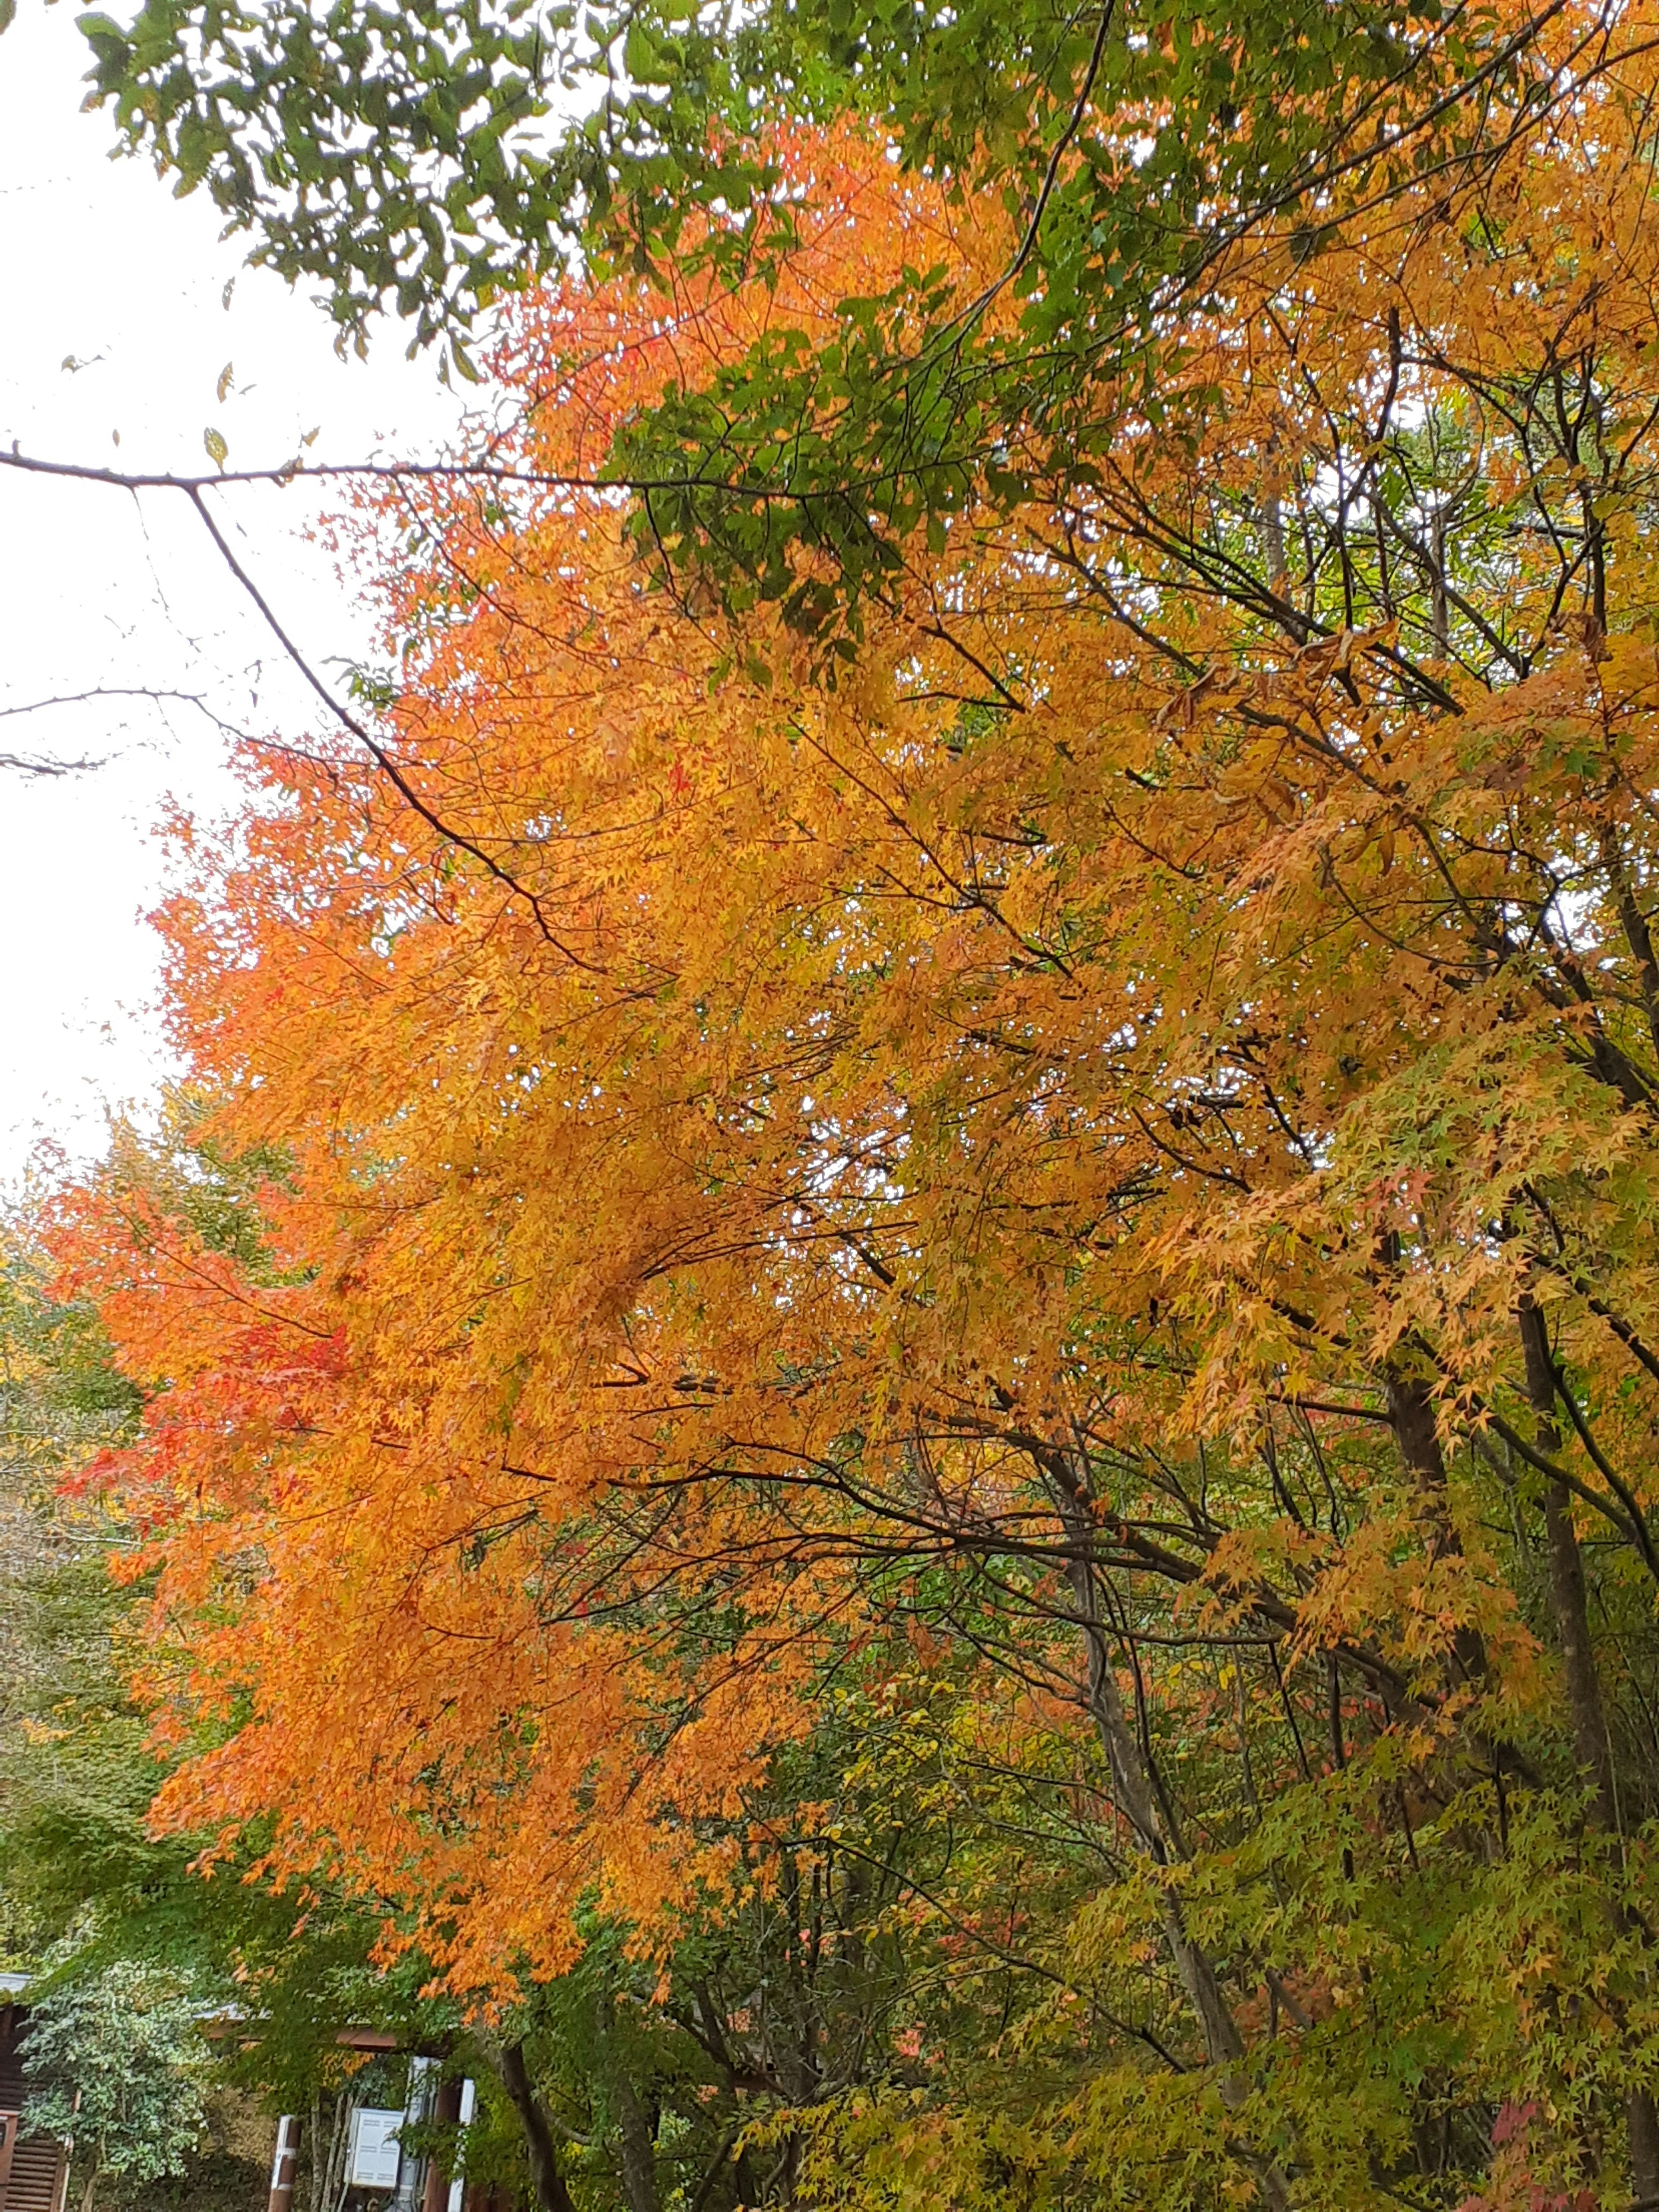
(746, 1163)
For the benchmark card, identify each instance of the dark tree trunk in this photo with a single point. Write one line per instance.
(1137, 1796)
(1569, 1610)
(551, 2193)
(639, 2146)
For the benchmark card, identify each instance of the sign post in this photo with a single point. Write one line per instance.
(284, 2163)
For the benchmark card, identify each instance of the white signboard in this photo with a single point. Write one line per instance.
(375, 2150)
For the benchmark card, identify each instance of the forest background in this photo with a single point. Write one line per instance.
(878, 1413)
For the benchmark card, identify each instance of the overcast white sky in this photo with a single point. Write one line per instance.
(99, 262)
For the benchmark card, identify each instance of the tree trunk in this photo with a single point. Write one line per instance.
(1137, 1797)
(551, 2193)
(1411, 1408)
(1133, 1788)
(1569, 1610)
(1569, 1601)
(339, 2143)
(639, 2149)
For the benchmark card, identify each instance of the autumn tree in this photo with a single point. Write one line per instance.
(127, 1948)
(795, 1994)
(1105, 1148)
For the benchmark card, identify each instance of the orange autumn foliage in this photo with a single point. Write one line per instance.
(1122, 1056)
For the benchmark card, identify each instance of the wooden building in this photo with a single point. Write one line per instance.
(33, 2169)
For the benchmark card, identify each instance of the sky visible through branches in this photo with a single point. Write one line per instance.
(105, 270)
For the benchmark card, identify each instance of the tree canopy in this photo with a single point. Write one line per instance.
(424, 159)
(1059, 1184)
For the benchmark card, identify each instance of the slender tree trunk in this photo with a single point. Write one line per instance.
(1592, 1748)
(1569, 1601)
(1272, 543)
(1634, 923)
(639, 2149)
(340, 2137)
(1138, 1798)
(1411, 1408)
(321, 2159)
(1133, 1788)
(551, 2193)
(1439, 600)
